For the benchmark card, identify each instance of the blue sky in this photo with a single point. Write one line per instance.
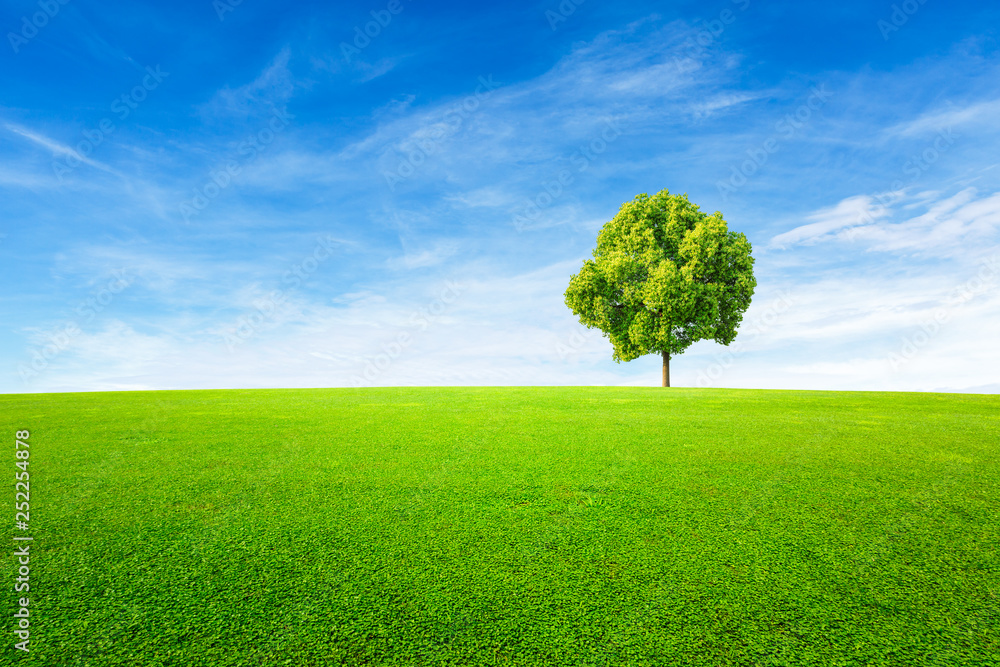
(201, 194)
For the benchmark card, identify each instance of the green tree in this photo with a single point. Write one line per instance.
(664, 275)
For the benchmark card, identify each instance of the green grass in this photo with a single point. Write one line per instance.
(520, 526)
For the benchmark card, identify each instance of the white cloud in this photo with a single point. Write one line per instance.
(424, 258)
(270, 90)
(847, 213)
(374, 70)
(935, 121)
(58, 148)
(949, 227)
(708, 107)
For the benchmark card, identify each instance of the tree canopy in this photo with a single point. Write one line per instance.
(664, 275)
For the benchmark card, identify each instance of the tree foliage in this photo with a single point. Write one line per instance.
(664, 275)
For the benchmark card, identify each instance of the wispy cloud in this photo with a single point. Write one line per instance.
(424, 258)
(270, 90)
(951, 226)
(947, 226)
(58, 148)
(847, 213)
(952, 117)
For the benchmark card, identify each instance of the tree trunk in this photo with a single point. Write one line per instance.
(666, 369)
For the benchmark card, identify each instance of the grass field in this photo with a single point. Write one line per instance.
(549, 526)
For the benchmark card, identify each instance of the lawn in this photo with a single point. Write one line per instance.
(510, 526)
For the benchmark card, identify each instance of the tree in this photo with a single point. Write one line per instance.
(664, 275)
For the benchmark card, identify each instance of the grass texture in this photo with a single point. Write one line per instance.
(510, 526)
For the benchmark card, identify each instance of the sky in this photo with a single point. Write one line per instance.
(243, 193)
